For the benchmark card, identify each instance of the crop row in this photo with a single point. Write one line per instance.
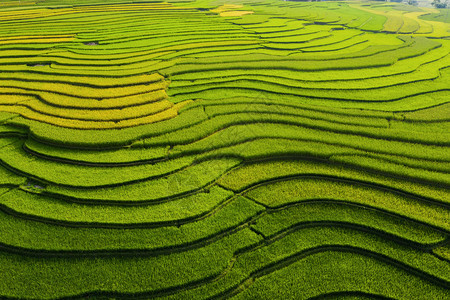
(187, 269)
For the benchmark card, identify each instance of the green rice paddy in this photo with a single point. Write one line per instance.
(224, 149)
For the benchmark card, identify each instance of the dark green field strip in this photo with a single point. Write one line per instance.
(420, 120)
(420, 100)
(357, 96)
(431, 172)
(347, 276)
(58, 172)
(30, 204)
(269, 25)
(230, 134)
(122, 156)
(296, 42)
(309, 187)
(9, 178)
(83, 62)
(136, 25)
(427, 66)
(346, 45)
(400, 67)
(375, 255)
(426, 80)
(236, 105)
(390, 163)
(265, 170)
(443, 251)
(319, 41)
(182, 183)
(441, 16)
(41, 239)
(220, 121)
(149, 275)
(4, 117)
(411, 48)
(415, 69)
(350, 295)
(348, 214)
(7, 131)
(398, 168)
(285, 245)
(262, 261)
(433, 114)
(108, 59)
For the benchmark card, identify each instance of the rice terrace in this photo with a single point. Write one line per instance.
(224, 149)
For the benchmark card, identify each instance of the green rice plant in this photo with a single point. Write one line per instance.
(5, 116)
(290, 129)
(443, 251)
(364, 272)
(129, 155)
(292, 40)
(23, 110)
(104, 139)
(361, 94)
(344, 46)
(77, 275)
(393, 23)
(390, 167)
(36, 206)
(313, 187)
(103, 115)
(83, 91)
(251, 174)
(38, 237)
(70, 174)
(441, 16)
(347, 214)
(181, 183)
(433, 114)
(85, 80)
(8, 178)
(420, 47)
(344, 239)
(424, 71)
(368, 276)
(226, 107)
(409, 26)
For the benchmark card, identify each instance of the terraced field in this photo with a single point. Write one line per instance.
(260, 149)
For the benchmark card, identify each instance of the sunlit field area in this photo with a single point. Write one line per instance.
(229, 149)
